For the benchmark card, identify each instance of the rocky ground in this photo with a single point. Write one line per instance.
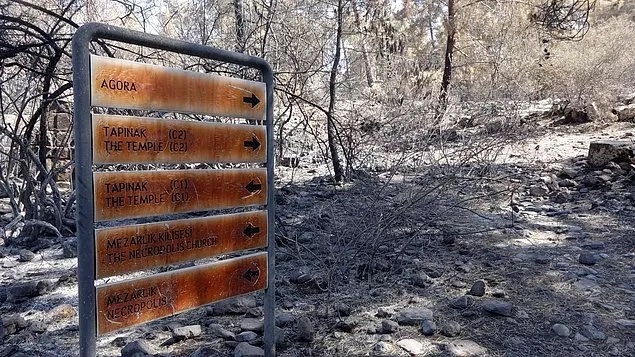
(532, 254)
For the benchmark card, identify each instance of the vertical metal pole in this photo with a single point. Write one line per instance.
(83, 172)
(270, 298)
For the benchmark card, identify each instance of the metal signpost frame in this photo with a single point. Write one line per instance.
(84, 163)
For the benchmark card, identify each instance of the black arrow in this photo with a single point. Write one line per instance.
(253, 187)
(253, 143)
(253, 100)
(251, 275)
(250, 230)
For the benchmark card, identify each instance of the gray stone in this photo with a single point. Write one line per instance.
(603, 152)
(585, 284)
(22, 291)
(69, 249)
(25, 255)
(466, 348)
(305, 330)
(414, 316)
(561, 330)
(251, 324)
(383, 348)
(538, 191)
(186, 332)
(389, 326)
(343, 309)
(420, 280)
(626, 324)
(284, 319)
(499, 307)
(478, 288)
(450, 329)
(37, 327)
(428, 327)
(13, 323)
(462, 302)
(587, 258)
(246, 336)
(237, 305)
(625, 112)
(580, 338)
(218, 331)
(137, 348)
(593, 333)
(411, 346)
(244, 349)
(120, 341)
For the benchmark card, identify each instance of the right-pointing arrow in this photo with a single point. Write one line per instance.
(253, 143)
(253, 100)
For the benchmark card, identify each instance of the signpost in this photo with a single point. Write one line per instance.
(105, 194)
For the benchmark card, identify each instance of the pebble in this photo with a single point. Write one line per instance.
(137, 348)
(593, 333)
(420, 280)
(305, 330)
(383, 348)
(478, 288)
(580, 338)
(465, 348)
(251, 324)
(244, 349)
(284, 319)
(450, 329)
(238, 305)
(587, 258)
(411, 346)
(25, 255)
(462, 302)
(246, 336)
(428, 327)
(343, 309)
(218, 331)
(389, 326)
(498, 307)
(585, 284)
(186, 332)
(414, 316)
(626, 324)
(561, 330)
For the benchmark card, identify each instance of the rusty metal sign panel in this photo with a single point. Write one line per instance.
(127, 249)
(132, 302)
(131, 194)
(125, 139)
(117, 83)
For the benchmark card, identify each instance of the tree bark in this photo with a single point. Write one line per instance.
(240, 26)
(330, 121)
(449, 50)
(370, 77)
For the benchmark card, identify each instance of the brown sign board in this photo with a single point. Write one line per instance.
(131, 194)
(132, 302)
(125, 139)
(117, 83)
(127, 249)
